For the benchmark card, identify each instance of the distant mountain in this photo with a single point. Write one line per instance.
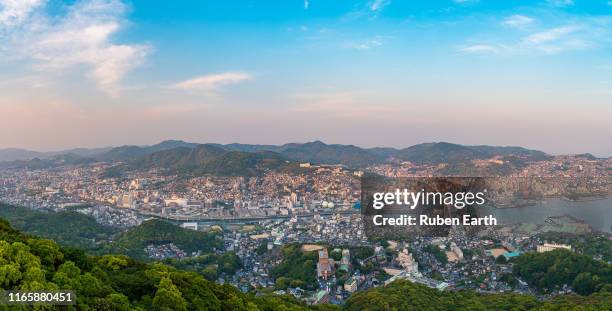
(384, 152)
(13, 154)
(127, 153)
(83, 152)
(353, 156)
(174, 156)
(319, 152)
(184, 158)
(250, 148)
(442, 152)
(316, 152)
(209, 159)
(33, 164)
(49, 162)
(587, 156)
(229, 159)
(520, 152)
(171, 144)
(122, 154)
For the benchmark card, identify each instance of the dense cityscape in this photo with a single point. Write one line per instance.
(306, 155)
(315, 213)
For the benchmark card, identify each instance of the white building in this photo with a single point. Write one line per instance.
(549, 247)
(190, 225)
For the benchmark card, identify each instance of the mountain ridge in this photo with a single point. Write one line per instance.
(316, 152)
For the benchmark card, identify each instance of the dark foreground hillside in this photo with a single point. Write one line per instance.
(116, 282)
(403, 295)
(113, 282)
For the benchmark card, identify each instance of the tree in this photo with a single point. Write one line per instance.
(119, 302)
(262, 248)
(70, 269)
(551, 270)
(46, 250)
(168, 297)
(9, 275)
(111, 262)
(438, 253)
(91, 286)
(336, 255)
(234, 303)
(282, 283)
(585, 283)
(210, 272)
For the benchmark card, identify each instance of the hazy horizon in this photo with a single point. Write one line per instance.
(279, 144)
(373, 73)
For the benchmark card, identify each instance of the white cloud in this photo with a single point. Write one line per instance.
(518, 21)
(366, 45)
(549, 41)
(212, 82)
(369, 9)
(13, 12)
(479, 48)
(82, 36)
(378, 5)
(549, 35)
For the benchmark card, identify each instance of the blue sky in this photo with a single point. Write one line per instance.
(371, 73)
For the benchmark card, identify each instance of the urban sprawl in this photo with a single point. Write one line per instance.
(319, 210)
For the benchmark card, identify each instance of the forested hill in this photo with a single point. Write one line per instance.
(179, 156)
(67, 228)
(443, 152)
(211, 160)
(157, 232)
(117, 282)
(74, 229)
(403, 295)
